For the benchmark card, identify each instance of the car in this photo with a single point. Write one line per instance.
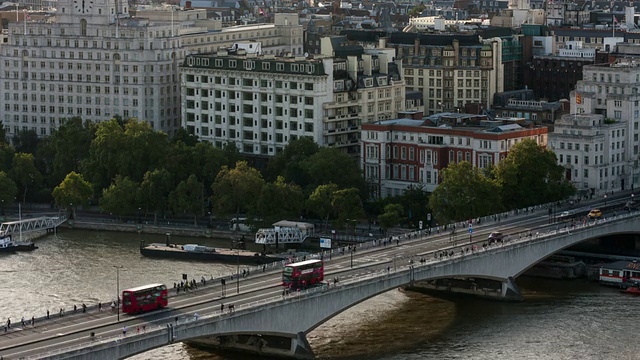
(495, 236)
(566, 215)
(595, 214)
(631, 205)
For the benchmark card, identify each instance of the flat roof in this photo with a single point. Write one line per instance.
(306, 262)
(143, 287)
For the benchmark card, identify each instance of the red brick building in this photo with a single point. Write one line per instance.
(407, 152)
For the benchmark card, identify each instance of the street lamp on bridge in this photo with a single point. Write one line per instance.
(237, 243)
(118, 289)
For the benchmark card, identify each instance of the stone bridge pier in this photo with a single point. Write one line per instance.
(292, 346)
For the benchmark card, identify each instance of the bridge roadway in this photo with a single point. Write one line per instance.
(60, 337)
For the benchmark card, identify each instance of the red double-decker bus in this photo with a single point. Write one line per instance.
(144, 298)
(303, 274)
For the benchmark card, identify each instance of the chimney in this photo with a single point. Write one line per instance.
(352, 67)
(187, 5)
(366, 64)
(383, 60)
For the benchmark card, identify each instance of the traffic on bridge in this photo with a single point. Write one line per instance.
(93, 330)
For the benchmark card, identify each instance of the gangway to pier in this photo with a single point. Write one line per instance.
(32, 224)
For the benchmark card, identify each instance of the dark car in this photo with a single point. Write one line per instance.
(495, 236)
(631, 205)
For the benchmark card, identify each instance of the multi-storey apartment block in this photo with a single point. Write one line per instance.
(94, 61)
(261, 103)
(451, 70)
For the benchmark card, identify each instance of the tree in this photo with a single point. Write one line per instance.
(3, 134)
(129, 152)
(280, 200)
(7, 153)
(320, 202)
(8, 190)
(26, 141)
(145, 149)
(105, 152)
(288, 162)
(120, 197)
(74, 189)
(237, 190)
(208, 161)
(330, 165)
(347, 206)
(154, 191)
(68, 145)
(464, 193)
(391, 216)
(530, 175)
(416, 201)
(188, 198)
(417, 10)
(181, 135)
(25, 174)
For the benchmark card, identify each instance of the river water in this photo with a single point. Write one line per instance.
(557, 320)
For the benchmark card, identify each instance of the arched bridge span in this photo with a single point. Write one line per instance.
(295, 316)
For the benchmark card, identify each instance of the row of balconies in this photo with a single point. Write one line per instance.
(339, 130)
(342, 117)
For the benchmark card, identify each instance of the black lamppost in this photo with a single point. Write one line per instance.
(71, 210)
(118, 289)
(236, 244)
(353, 249)
(238, 271)
(139, 215)
(2, 207)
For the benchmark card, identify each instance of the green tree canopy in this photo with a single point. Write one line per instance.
(416, 202)
(320, 202)
(330, 165)
(7, 153)
(280, 201)
(25, 174)
(347, 206)
(103, 163)
(74, 189)
(120, 198)
(8, 190)
(145, 149)
(188, 198)
(237, 190)
(183, 136)
(26, 141)
(530, 175)
(391, 216)
(464, 193)
(69, 145)
(129, 152)
(288, 162)
(154, 191)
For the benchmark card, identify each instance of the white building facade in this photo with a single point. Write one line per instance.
(612, 91)
(592, 152)
(261, 103)
(92, 60)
